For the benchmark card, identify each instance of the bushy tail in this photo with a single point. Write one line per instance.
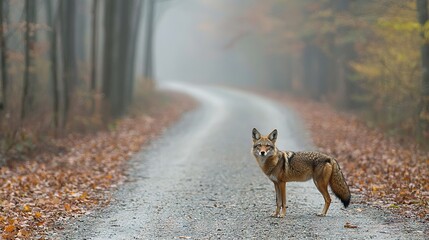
(338, 184)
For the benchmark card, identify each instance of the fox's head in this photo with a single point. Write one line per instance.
(264, 146)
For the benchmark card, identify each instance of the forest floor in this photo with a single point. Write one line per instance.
(390, 173)
(54, 186)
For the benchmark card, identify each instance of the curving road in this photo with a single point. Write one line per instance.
(200, 181)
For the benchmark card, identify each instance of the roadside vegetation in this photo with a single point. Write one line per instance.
(367, 56)
(56, 186)
(75, 104)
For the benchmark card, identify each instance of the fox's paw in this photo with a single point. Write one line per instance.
(278, 214)
(275, 214)
(320, 214)
(283, 213)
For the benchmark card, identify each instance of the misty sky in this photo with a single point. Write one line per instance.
(207, 40)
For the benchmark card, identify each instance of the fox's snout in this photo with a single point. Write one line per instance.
(263, 150)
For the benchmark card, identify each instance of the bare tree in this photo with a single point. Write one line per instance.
(345, 54)
(148, 66)
(422, 15)
(109, 56)
(130, 71)
(27, 95)
(54, 64)
(3, 49)
(121, 27)
(68, 38)
(94, 53)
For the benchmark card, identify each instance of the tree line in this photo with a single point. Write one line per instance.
(71, 64)
(369, 56)
(59, 56)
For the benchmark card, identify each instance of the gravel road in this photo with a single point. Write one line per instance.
(200, 181)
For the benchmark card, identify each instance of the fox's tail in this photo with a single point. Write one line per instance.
(338, 184)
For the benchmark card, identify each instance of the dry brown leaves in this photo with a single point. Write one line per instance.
(390, 173)
(35, 195)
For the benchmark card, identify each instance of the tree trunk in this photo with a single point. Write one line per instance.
(68, 36)
(94, 54)
(121, 27)
(118, 103)
(345, 54)
(3, 59)
(137, 8)
(54, 67)
(29, 46)
(422, 15)
(109, 58)
(148, 58)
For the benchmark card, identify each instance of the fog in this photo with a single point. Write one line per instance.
(369, 56)
(361, 55)
(203, 41)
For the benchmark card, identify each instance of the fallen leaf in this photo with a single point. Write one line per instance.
(67, 207)
(83, 196)
(9, 228)
(37, 214)
(393, 206)
(23, 233)
(349, 225)
(26, 208)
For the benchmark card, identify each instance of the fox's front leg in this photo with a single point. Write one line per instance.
(278, 200)
(282, 187)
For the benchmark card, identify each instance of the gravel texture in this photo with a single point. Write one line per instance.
(200, 181)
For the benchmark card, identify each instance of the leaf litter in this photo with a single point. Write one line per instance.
(35, 196)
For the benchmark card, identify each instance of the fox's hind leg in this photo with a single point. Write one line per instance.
(321, 180)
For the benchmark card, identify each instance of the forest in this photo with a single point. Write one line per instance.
(365, 55)
(76, 64)
(70, 65)
(369, 57)
(161, 95)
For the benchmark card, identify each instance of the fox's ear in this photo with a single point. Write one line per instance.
(255, 134)
(273, 135)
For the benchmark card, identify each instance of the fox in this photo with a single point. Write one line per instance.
(288, 166)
